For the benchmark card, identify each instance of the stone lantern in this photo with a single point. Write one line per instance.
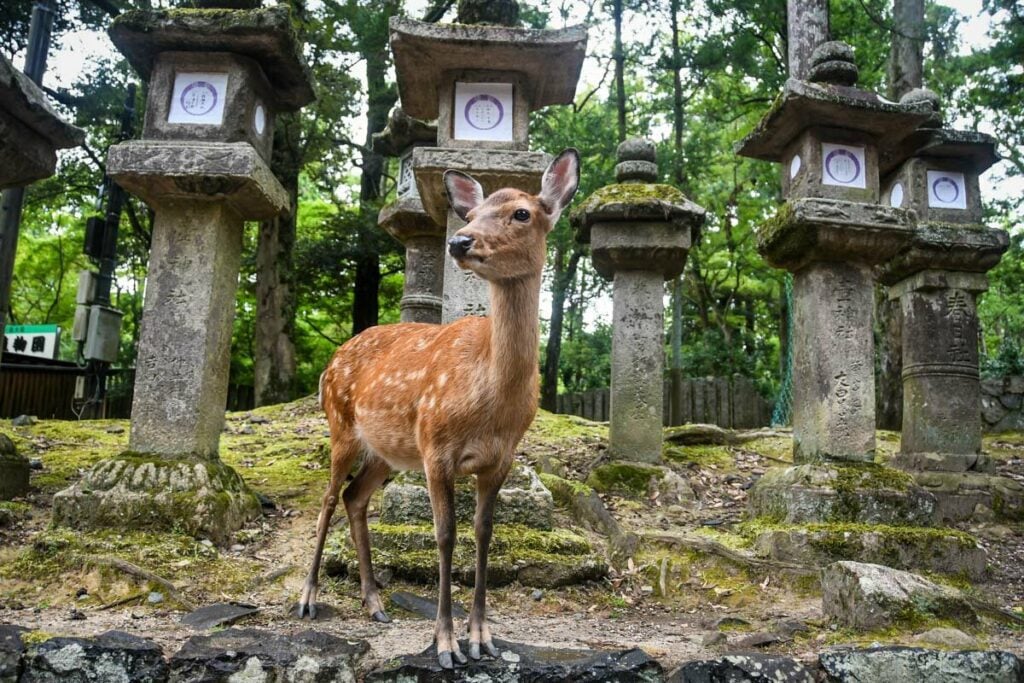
(640, 233)
(826, 134)
(480, 83)
(217, 81)
(31, 132)
(407, 221)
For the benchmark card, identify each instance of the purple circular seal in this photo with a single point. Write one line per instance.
(198, 98)
(484, 112)
(946, 190)
(842, 166)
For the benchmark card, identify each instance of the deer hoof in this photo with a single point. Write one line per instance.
(490, 649)
(460, 658)
(381, 618)
(445, 660)
(306, 609)
(474, 651)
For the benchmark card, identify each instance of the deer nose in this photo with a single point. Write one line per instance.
(459, 245)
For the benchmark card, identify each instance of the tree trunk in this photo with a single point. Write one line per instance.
(677, 96)
(620, 77)
(906, 64)
(563, 278)
(806, 28)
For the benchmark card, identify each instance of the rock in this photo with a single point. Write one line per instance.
(912, 665)
(110, 656)
(518, 662)
(427, 609)
(523, 499)
(992, 409)
(537, 595)
(952, 638)
(258, 420)
(944, 551)
(752, 668)
(76, 615)
(870, 596)
(14, 470)
(11, 649)
(24, 421)
(35, 463)
(713, 639)
(957, 495)
(675, 489)
(759, 639)
(114, 429)
(217, 614)
(155, 598)
(239, 655)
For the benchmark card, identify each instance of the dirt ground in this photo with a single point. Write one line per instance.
(49, 583)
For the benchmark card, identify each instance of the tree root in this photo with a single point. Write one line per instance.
(712, 547)
(145, 574)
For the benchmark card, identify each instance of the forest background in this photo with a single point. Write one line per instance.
(692, 75)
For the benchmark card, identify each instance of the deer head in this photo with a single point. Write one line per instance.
(505, 233)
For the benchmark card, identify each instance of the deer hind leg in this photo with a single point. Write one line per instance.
(344, 451)
(357, 498)
(441, 486)
(487, 487)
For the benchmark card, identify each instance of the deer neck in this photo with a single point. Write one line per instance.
(515, 334)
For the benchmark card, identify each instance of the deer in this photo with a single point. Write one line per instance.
(451, 400)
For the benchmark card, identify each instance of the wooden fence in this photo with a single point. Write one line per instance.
(47, 391)
(733, 403)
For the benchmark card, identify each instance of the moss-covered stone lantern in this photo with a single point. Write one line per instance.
(480, 83)
(217, 79)
(640, 232)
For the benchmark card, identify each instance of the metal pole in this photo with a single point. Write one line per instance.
(35, 66)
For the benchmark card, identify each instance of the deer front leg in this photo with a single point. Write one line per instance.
(441, 486)
(357, 498)
(487, 487)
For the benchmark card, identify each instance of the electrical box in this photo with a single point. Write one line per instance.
(80, 328)
(95, 228)
(104, 336)
(86, 287)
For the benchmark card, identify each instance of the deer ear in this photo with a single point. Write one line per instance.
(560, 181)
(464, 193)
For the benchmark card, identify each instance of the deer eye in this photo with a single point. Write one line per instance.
(521, 215)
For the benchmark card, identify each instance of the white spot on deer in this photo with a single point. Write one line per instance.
(442, 379)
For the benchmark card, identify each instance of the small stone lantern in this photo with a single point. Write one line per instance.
(407, 221)
(640, 233)
(937, 280)
(217, 80)
(480, 83)
(826, 134)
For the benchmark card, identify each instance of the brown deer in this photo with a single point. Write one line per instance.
(450, 399)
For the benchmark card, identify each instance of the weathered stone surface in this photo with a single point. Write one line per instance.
(110, 656)
(402, 132)
(217, 614)
(523, 499)
(543, 559)
(957, 494)
(550, 61)
(802, 105)
(640, 480)
(640, 203)
(870, 596)
(14, 470)
(424, 607)
(943, 462)
(237, 655)
(263, 35)
(494, 169)
(201, 497)
(519, 662)
(833, 373)
(656, 247)
(406, 221)
(463, 291)
(865, 493)
(165, 172)
(1002, 404)
(946, 637)
(934, 550)
(746, 668)
(832, 62)
(30, 130)
(938, 247)
(11, 649)
(911, 665)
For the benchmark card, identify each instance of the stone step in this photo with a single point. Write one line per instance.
(866, 493)
(958, 495)
(941, 551)
(542, 559)
(523, 499)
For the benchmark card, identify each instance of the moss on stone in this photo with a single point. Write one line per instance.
(629, 479)
(31, 638)
(872, 476)
(768, 231)
(555, 429)
(564, 490)
(716, 457)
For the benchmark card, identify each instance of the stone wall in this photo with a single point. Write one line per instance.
(1002, 404)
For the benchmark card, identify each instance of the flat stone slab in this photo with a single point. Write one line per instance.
(425, 608)
(519, 662)
(941, 246)
(234, 172)
(494, 169)
(958, 494)
(541, 559)
(551, 60)
(110, 656)
(238, 655)
(264, 35)
(217, 614)
(928, 549)
(866, 493)
(913, 665)
(869, 596)
(810, 229)
(752, 668)
(405, 217)
(523, 499)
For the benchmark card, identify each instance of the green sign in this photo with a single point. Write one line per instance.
(31, 329)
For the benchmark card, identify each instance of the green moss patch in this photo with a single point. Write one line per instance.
(12, 512)
(628, 479)
(715, 457)
(564, 490)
